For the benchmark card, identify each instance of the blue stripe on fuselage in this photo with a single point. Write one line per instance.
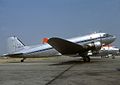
(89, 40)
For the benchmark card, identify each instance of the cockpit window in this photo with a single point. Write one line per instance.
(107, 35)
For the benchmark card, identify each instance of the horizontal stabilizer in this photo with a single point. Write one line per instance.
(13, 55)
(65, 47)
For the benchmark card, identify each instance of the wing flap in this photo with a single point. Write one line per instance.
(65, 47)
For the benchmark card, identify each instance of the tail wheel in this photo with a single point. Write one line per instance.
(23, 59)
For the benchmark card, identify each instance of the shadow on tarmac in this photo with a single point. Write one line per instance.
(76, 62)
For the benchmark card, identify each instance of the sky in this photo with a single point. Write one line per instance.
(32, 20)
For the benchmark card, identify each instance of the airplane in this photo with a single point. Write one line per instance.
(58, 46)
(109, 51)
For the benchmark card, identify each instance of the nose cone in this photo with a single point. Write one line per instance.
(109, 40)
(113, 38)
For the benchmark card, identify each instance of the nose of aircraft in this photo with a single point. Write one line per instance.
(113, 38)
(109, 40)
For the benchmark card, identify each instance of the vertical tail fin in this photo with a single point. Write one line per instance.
(14, 45)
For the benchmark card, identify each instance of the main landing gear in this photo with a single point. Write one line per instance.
(23, 59)
(86, 59)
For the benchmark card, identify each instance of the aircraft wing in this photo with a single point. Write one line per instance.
(65, 47)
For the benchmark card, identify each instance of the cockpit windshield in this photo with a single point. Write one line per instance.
(107, 35)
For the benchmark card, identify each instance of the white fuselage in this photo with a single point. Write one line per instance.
(43, 50)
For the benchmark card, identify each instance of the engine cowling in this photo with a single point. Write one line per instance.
(94, 46)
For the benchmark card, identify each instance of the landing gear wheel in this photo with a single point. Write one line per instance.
(86, 59)
(23, 59)
(113, 57)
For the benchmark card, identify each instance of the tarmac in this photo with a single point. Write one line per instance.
(61, 70)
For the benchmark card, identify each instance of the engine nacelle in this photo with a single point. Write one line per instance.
(94, 46)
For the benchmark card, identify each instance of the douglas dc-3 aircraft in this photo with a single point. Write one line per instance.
(58, 46)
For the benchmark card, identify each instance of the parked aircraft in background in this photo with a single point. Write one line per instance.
(109, 51)
(57, 46)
